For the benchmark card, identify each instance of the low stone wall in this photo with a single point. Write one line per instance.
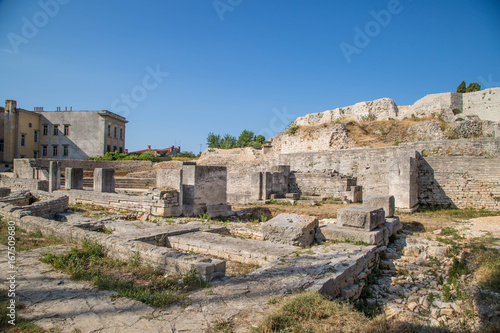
(167, 206)
(25, 184)
(26, 167)
(169, 260)
(47, 205)
(459, 181)
(124, 182)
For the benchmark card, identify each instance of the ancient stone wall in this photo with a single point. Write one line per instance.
(24, 168)
(167, 206)
(25, 184)
(459, 181)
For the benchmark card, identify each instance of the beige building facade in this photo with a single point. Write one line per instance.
(58, 134)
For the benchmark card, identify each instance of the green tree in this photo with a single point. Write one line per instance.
(474, 86)
(213, 140)
(461, 87)
(245, 138)
(228, 142)
(260, 139)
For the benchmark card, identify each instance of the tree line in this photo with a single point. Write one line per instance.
(246, 139)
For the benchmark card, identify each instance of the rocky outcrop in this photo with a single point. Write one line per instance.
(428, 131)
(380, 109)
(485, 104)
(319, 138)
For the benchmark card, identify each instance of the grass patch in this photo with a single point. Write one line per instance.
(487, 262)
(224, 326)
(143, 283)
(311, 312)
(27, 240)
(455, 213)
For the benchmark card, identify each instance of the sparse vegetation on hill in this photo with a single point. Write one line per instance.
(246, 139)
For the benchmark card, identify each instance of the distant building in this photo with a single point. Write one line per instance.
(58, 134)
(159, 152)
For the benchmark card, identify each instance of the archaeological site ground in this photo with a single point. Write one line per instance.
(366, 218)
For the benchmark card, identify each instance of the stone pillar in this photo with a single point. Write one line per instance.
(74, 179)
(104, 180)
(54, 176)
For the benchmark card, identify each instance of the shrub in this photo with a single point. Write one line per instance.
(461, 87)
(474, 86)
(293, 129)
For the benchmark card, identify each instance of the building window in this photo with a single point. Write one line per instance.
(114, 148)
(109, 130)
(56, 129)
(108, 149)
(1, 145)
(114, 132)
(35, 153)
(35, 136)
(45, 130)
(65, 150)
(30, 125)
(66, 129)
(44, 150)
(54, 150)
(121, 133)
(23, 140)
(120, 150)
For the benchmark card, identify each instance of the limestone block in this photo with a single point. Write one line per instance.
(336, 233)
(54, 176)
(362, 217)
(293, 196)
(74, 178)
(381, 201)
(104, 180)
(291, 229)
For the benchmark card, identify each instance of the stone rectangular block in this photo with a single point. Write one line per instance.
(367, 218)
(381, 201)
(293, 229)
(74, 178)
(293, 196)
(54, 176)
(104, 180)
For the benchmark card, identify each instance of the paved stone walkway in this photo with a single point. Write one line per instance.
(54, 301)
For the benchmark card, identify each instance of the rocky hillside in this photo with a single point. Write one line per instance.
(382, 123)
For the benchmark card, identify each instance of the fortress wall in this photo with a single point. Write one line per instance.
(459, 181)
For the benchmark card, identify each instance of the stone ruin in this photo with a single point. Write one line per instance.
(178, 245)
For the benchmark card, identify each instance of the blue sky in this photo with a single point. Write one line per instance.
(181, 69)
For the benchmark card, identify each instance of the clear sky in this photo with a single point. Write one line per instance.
(181, 69)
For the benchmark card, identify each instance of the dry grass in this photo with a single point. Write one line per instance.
(428, 220)
(311, 312)
(27, 240)
(322, 211)
(383, 133)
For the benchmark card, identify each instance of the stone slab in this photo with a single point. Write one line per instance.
(378, 236)
(381, 201)
(361, 217)
(247, 251)
(293, 229)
